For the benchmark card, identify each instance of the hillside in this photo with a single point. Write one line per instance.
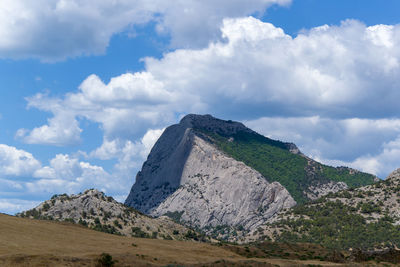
(27, 242)
(95, 210)
(367, 217)
(34, 243)
(214, 174)
(284, 163)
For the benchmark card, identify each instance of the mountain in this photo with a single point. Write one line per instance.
(367, 217)
(208, 172)
(95, 210)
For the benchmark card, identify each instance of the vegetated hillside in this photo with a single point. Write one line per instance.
(34, 243)
(95, 210)
(303, 177)
(228, 180)
(366, 218)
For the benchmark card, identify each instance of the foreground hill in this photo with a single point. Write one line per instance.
(208, 172)
(34, 243)
(95, 210)
(367, 217)
(27, 242)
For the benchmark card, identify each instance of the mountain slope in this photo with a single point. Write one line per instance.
(282, 162)
(367, 217)
(95, 210)
(210, 172)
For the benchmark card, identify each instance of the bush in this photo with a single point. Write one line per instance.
(137, 232)
(46, 207)
(105, 260)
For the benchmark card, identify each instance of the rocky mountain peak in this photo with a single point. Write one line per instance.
(100, 212)
(93, 193)
(394, 176)
(207, 172)
(211, 124)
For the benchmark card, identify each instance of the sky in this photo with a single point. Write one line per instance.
(87, 87)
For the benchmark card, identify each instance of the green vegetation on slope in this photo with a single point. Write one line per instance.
(276, 163)
(338, 226)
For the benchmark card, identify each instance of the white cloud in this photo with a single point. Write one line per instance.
(346, 71)
(129, 154)
(68, 174)
(194, 23)
(335, 83)
(16, 162)
(12, 206)
(371, 145)
(62, 130)
(383, 162)
(53, 30)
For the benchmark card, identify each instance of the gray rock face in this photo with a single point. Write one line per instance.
(187, 175)
(320, 190)
(394, 176)
(97, 211)
(218, 190)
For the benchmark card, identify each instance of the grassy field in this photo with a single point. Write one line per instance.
(26, 242)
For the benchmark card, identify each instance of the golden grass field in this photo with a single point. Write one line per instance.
(26, 242)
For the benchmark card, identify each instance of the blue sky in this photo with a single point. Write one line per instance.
(87, 88)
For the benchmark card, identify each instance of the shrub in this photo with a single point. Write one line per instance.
(175, 232)
(105, 260)
(46, 207)
(137, 232)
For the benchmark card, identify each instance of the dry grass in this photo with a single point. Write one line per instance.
(26, 242)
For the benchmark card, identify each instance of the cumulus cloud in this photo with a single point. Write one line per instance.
(130, 154)
(332, 87)
(346, 71)
(12, 206)
(53, 30)
(382, 163)
(16, 162)
(68, 173)
(62, 130)
(371, 145)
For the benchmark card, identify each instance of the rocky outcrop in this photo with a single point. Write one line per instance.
(209, 172)
(394, 176)
(95, 210)
(218, 190)
(316, 191)
(186, 175)
(372, 210)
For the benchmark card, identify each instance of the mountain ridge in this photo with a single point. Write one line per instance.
(367, 217)
(194, 151)
(95, 210)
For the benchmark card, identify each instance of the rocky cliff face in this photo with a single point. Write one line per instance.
(209, 172)
(186, 175)
(95, 210)
(218, 190)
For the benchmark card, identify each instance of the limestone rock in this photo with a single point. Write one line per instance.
(320, 190)
(97, 211)
(186, 174)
